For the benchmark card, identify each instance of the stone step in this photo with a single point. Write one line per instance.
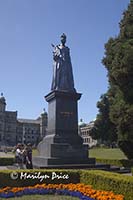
(119, 170)
(75, 166)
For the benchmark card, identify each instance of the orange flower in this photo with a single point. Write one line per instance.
(86, 190)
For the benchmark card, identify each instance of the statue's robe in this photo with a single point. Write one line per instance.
(62, 70)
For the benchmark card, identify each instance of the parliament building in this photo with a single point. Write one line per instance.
(85, 133)
(14, 130)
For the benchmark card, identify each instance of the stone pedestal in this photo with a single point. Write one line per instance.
(62, 144)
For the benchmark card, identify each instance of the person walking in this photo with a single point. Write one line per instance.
(28, 156)
(19, 155)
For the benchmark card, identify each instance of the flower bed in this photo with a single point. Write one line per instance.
(82, 191)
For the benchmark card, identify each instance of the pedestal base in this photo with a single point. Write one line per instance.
(42, 162)
(62, 145)
(62, 155)
(54, 147)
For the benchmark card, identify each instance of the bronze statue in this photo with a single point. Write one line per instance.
(62, 67)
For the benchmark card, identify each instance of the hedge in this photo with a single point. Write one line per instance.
(6, 161)
(102, 180)
(132, 171)
(20, 180)
(119, 184)
(119, 163)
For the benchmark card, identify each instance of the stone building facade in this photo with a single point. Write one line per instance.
(84, 132)
(14, 130)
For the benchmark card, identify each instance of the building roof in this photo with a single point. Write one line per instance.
(29, 121)
(87, 126)
(81, 123)
(11, 112)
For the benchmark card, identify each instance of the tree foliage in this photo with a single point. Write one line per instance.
(104, 129)
(118, 61)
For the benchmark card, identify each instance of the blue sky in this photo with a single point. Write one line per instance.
(27, 29)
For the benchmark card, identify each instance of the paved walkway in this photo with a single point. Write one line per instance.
(13, 167)
(3, 154)
(3, 167)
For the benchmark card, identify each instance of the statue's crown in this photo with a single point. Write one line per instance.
(63, 35)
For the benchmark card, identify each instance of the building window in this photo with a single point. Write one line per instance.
(8, 128)
(8, 137)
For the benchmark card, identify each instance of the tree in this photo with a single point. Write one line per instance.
(104, 129)
(118, 61)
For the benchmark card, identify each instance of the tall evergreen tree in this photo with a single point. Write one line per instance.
(118, 61)
(104, 130)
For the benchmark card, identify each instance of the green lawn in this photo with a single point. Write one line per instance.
(43, 197)
(107, 153)
(35, 152)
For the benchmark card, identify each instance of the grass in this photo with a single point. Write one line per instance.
(107, 153)
(35, 152)
(43, 197)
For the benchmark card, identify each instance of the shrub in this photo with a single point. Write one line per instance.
(132, 171)
(119, 163)
(6, 161)
(119, 184)
(21, 180)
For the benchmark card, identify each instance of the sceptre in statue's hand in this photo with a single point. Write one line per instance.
(56, 52)
(53, 45)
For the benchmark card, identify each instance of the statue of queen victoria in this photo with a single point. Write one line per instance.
(62, 68)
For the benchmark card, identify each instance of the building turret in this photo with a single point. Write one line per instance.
(2, 103)
(81, 123)
(43, 124)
